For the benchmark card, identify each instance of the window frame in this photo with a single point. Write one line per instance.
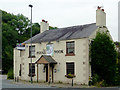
(70, 47)
(33, 69)
(70, 68)
(31, 51)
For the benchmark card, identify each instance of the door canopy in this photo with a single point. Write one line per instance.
(45, 59)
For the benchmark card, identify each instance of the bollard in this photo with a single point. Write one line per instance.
(50, 79)
(15, 79)
(72, 81)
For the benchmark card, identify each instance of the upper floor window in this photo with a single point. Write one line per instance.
(32, 51)
(70, 50)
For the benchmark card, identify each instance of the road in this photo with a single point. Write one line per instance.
(11, 85)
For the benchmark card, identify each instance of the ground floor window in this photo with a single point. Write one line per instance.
(70, 68)
(33, 69)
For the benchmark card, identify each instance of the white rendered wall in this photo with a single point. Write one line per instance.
(81, 60)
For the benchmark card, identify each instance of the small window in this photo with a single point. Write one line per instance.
(70, 68)
(33, 69)
(32, 51)
(70, 48)
(20, 70)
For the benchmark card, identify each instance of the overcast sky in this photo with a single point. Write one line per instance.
(65, 13)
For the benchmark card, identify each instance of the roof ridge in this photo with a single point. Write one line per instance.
(72, 32)
(72, 26)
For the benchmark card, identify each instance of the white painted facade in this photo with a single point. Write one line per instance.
(81, 60)
(81, 55)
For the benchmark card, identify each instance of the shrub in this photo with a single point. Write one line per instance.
(97, 81)
(103, 58)
(60, 82)
(10, 74)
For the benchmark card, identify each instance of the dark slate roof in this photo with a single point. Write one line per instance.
(48, 58)
(74, 32)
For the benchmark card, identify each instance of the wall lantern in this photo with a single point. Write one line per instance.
(55, 70)
(44, 69)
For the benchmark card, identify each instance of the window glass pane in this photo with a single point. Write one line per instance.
(72, 44)
(71, 50)
(33, 68)
(70, 47)
(70, 68)
(32, 51)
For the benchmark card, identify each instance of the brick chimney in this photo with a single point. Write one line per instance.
(44, 25)
(100, 17)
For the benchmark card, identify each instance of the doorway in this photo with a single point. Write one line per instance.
(46, 66)
(52, 67)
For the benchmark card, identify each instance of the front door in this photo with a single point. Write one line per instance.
(52, 74)
(46, 73)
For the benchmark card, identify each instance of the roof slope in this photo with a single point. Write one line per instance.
(67, 33)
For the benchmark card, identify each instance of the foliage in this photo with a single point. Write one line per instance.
(95, 78)
(10, 74)
(117, 78)
(103, 58)
(70, 75)
(97, 81)
(15, 29)
(50, 27)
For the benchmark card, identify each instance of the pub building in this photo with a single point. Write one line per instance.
(58, 53)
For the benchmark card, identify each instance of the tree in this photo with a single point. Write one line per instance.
(103, 58)
(15, 29)
(118, 64)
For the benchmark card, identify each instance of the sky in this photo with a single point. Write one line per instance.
(65, 13)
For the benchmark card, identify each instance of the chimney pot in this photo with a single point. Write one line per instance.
(99, 7)
(103, 10)
(43, 20)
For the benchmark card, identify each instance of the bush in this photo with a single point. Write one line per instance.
(103, 58)
(10, 74)
(97, 81)
(101, 84)
(117, 78)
